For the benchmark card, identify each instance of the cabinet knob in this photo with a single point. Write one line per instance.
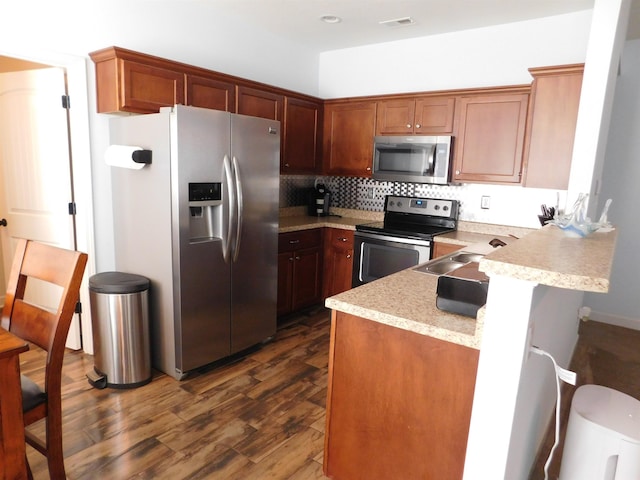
(297, 258)
(342, 239)
(294, 241)
(418, 125)
(457, 172)
(286, 164)
(291, 259)
(408, 125)
(368, 169)
(348, 255)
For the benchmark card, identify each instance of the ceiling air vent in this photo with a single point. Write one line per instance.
(398, 22)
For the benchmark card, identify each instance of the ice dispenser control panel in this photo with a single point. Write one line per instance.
(205, 192)
(205, 211)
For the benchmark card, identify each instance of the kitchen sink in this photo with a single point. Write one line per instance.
(449, 263)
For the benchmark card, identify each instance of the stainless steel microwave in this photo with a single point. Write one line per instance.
(415, 159)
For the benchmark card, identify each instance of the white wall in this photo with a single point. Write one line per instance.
(620, 181)
(45, 29)
(499, 55)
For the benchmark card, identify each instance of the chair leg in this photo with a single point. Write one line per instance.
(55, 454)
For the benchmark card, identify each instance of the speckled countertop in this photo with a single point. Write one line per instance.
(407, 299)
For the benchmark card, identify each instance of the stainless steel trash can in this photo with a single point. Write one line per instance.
(120, 321)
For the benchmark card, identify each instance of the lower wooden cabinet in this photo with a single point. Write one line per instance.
(338, 261)
(398, 403)
(440, 249)
(299, 270)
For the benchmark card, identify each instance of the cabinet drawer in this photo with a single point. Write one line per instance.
(340, 239)
(299, 240)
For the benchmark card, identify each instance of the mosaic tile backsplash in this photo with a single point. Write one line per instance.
(508, 205)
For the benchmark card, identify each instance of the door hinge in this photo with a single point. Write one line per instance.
(78, 307)
(66, 101)
(72, 208)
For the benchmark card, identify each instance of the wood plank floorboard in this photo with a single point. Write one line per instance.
(260, 416)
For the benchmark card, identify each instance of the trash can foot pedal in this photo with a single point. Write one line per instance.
(97, 380)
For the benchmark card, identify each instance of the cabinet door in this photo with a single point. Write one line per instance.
(285, 282)
(553, 114)
(434, 115)
(145, 89)
(210, 93)
(395, 117)
(440, 249)
(307, 286)
(301, 145)
(338, 261)
(490, 138)
(259, 103)
(348, 134)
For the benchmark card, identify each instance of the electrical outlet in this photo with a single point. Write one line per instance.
(485, 202)
(371, 193)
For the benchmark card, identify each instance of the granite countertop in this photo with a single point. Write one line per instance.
(546, 256)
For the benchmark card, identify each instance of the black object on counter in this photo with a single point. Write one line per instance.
(462, 291)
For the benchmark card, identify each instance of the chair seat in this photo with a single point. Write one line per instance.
(32, 394)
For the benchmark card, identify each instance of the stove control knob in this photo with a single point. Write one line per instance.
(445, 208)
(391, 203)
(400, 204)
(437, 207)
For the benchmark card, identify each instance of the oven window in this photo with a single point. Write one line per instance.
(381, 260)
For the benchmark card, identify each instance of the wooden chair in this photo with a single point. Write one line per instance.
(46, 329)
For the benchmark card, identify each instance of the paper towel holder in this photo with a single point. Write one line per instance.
(142, 156)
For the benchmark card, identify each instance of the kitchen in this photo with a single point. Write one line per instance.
(352, 85)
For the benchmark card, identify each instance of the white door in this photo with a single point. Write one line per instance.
(35, 169)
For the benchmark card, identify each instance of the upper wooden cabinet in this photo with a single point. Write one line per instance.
(419, 116)
(349, 128)
(259, 103)
(490, 137)
(551, 126)
(301, 136)
(207, 92)
(127, 85)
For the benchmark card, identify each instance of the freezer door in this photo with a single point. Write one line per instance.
(255, 151)
(200, 141)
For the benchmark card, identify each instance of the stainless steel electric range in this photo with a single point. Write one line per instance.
(404, 239)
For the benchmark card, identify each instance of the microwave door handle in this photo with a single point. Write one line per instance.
(432, 159)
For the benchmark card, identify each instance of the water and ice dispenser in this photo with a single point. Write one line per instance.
(205, 211)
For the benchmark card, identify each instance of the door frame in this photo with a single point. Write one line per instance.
(80, 151)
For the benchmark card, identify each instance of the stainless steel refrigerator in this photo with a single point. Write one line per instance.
(201, 222)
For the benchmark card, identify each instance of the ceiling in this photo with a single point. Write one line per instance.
(299, 20)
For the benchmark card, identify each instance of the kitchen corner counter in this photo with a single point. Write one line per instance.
(407, 300)
(548, 257)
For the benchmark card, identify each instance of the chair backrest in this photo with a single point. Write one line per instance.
(46, 328)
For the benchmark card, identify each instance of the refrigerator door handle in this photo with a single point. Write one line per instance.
(240, 207)
(230, 207)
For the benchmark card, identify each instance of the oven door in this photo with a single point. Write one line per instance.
(379, 255)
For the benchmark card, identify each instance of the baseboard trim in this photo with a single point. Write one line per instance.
(617, 320)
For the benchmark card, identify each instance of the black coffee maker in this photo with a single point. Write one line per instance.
(319, 201)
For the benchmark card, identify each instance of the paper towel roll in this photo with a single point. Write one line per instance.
(122, 156)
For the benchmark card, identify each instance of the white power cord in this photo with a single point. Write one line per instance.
(566, 376)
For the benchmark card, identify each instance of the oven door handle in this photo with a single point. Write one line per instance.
(388, 238)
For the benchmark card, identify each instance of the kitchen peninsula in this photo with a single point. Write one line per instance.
(412, 390)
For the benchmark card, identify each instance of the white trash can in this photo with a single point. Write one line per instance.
(603, 436)
(120, 321)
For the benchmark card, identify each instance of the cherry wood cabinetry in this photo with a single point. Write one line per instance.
(553, 113)
(398, 403)
(490, 137)
(301, 144)
(440, 248)
(420, 116)
(338, 261)
(259, 103)
(207, 92)
(299, 270)
(349, 128)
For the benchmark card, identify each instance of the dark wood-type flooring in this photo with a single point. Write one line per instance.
(259, 417)
(605, 355)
